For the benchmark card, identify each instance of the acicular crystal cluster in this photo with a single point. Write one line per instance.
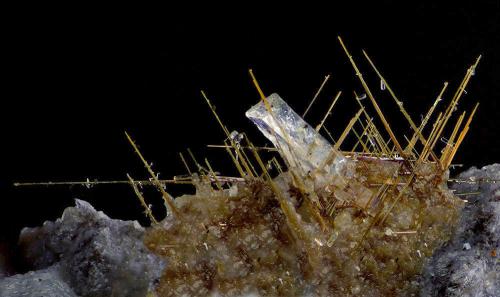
(335, 222)
(323, 218)
(332, 225)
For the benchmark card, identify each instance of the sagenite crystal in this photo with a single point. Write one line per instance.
(240, 244)
(368, 231)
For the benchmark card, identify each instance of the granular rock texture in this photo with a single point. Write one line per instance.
(238, 244)
(469, 265)
(95, 255)
(45, 283)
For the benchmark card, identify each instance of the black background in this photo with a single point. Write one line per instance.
(76, 79)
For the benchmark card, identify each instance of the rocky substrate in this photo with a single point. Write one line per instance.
(84, 253)
(469, 264)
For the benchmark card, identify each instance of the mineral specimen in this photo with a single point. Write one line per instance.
(246, 243)
(335, 220)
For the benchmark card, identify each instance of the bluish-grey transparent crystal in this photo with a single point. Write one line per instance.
(299, 143)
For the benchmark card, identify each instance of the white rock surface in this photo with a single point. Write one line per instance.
(41, 283)
(469, 265)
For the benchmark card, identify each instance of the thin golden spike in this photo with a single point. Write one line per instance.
(437, 134)
(382, 196)
(231, 155)
(244, 162)
(259, 148)
(400, 104)
(277, 164)
(295, 165)
(393, 95)
(470, 72)
(451, 140)
(147, 209)
(316, 95)
(329, 134)
(185, 163)
(169, 200)
(401, 192)
(431, 138)
(233, 158)
(426, 118)
(375, 105)
(440, 128)
(360, 141)
(200, 168)
(380, 192)
(249, 162)
(212, 108)
(212, 173)
(461, 137)
(456, 128)
(376, 137)
(328, 112)
(347, 130)
(256, 174)
(371, 140)
(89, 183)
(256, 84)
(384, 193)
(413, 152)
(356, 144)
(292, 217)
(455, 100)
(236, 149)
(377, 133)
(393, 152)
(410, 154)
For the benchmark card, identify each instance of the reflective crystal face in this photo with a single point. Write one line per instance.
(299, 143)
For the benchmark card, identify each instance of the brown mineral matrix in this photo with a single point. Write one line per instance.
(236, 242)
(337, 221)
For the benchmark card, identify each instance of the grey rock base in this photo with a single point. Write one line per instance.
(87, 252)
(469, 265)
(41, 283)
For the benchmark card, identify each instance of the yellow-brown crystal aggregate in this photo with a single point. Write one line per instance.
(237, 242)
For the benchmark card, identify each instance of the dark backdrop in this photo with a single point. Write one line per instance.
(76, 80)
